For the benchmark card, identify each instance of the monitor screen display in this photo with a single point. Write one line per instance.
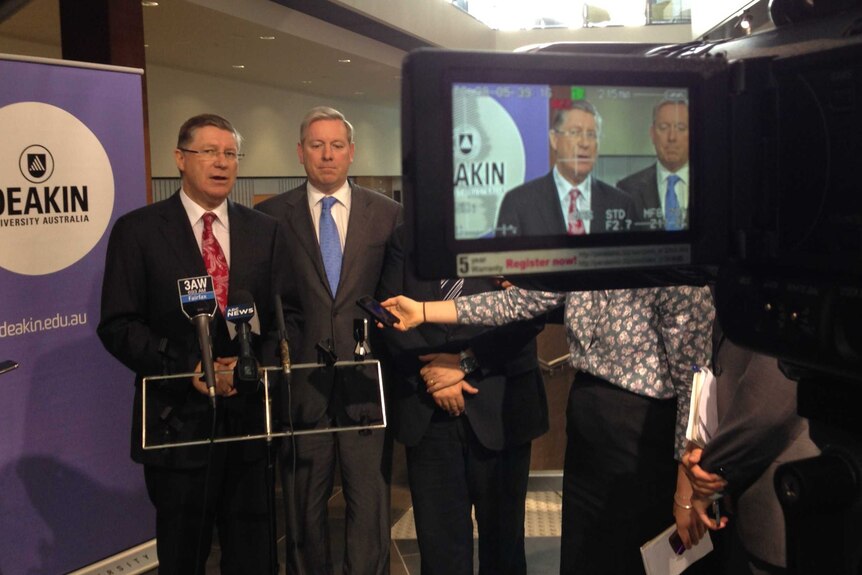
(550, 163)
(623, 149)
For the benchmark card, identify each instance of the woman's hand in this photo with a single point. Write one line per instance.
(410, 313)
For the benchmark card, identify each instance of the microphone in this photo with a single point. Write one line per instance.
(239, 311)
(198, 302)
(284, 350)
(360, 336)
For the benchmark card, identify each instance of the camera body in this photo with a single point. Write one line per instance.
(774, 216)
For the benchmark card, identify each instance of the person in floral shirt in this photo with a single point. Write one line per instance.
(633, 351)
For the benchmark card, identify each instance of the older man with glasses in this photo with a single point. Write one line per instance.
(568, 200)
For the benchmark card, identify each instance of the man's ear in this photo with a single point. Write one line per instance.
(552, 140)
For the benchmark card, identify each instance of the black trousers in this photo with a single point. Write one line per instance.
(619, 477)
(450, 472)
(308, 466)
(236, 505)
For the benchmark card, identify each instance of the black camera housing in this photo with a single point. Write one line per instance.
(775, 214)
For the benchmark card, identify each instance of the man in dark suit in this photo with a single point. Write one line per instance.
(336, 233)
(142, 325)
(568, 200)
(669, 134)
(466, 401)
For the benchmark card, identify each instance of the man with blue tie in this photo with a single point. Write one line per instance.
(661, 190)
(336, 234)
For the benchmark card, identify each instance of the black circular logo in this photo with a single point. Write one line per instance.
(36, 163)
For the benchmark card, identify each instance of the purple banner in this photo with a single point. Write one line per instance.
(71, 161)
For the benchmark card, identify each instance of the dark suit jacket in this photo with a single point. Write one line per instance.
(511, 407)
(643, 189)
(143, 326)
(758, 430)
(313, 315)
(533, 209)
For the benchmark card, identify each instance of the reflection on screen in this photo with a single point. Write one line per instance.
(544, 160)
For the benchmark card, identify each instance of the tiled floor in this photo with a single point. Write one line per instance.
(544, 504)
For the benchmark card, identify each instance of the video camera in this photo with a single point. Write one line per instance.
(774, 213)
(773, 217)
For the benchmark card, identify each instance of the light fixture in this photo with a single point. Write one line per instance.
(267, 37)
(238, 66)
(149, 3)
(306, 82)
(745, 22)
(344, 60)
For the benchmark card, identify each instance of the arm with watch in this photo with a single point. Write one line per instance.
(499, 350)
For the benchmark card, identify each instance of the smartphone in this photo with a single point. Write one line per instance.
(8, 365)
(676, 543)
(377, 311)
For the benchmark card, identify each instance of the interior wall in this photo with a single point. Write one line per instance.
(268, 119)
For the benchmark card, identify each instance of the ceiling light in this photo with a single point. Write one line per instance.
(306, 81)
(238, 66)
(148, 3)
(267, 37)
(344, 61)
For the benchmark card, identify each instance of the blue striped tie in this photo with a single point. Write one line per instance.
(672, 215)
(330, 244)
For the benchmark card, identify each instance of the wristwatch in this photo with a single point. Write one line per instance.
(467, 362)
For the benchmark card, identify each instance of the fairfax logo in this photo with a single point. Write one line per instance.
(36, 164)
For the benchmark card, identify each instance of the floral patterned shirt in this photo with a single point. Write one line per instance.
(643, 340)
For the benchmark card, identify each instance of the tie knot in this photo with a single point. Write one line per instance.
(574, 194)
(672, 180)
(209, 217)
(327, 202)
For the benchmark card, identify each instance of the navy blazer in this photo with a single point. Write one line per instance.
(142, 323)
(533, 209)
(643, 188)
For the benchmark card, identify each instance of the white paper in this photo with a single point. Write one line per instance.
(703, 409)
(660, 559)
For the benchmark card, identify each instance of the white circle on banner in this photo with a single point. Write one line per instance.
(488, 160)
(56, 189)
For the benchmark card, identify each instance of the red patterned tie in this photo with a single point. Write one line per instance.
(215, 260)
(575, 223)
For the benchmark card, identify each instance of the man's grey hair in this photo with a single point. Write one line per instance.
(667, 102)
(190, 126)
(584, 106)
(324, 113)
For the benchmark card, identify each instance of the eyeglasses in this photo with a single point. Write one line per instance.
(577, 133)
(210, 155)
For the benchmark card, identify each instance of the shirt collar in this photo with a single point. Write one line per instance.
(663, 173)
(564, 186)
(196, 212)
(342, 194)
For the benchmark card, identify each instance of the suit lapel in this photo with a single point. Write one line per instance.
(300, 221)
(178, 235)
(550, 210)
(357, 230)
(242, 241)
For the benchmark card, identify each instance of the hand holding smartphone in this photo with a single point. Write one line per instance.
(377, 311)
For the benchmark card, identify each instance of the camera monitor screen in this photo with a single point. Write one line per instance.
(545, 164)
